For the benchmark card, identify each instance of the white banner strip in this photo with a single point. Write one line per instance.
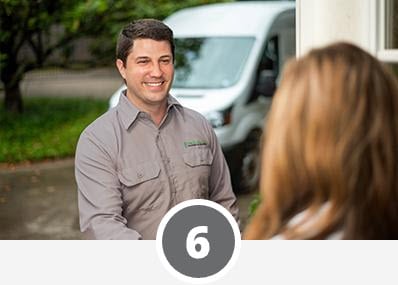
(137, 262)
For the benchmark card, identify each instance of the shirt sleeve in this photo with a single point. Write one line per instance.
(99, 195)
(220, 180)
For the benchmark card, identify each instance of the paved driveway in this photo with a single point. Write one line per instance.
(39, 202)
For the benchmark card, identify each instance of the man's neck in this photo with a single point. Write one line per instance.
(156, 111)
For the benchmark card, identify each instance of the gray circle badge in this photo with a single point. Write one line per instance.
(197, 240)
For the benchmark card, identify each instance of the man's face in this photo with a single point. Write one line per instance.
(148, 72)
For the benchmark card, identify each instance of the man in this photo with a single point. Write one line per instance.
(148, 153)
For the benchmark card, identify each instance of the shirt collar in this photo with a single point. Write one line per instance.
(129, 112)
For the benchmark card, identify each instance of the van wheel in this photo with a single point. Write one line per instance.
(250, 166)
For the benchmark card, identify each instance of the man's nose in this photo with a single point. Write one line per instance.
(156, 70)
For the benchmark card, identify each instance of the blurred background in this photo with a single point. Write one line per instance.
(57, 75)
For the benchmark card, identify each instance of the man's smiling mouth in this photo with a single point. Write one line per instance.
(153, 84)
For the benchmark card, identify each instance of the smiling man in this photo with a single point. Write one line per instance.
(137, 161)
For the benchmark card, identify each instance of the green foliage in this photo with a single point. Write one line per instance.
(44, 27)
(32, 24)
(49, 128)
(110, 16)
(254, 205)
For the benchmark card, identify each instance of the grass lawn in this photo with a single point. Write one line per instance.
(49, 128)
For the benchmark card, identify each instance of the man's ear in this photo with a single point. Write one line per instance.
(121, 68)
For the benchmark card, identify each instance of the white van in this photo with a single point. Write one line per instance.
(228, 58)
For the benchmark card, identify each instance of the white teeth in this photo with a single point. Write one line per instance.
(153, 84)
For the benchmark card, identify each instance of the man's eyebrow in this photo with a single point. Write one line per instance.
(167, 56)
(142, 57)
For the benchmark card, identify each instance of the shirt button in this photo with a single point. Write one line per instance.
(140, 175)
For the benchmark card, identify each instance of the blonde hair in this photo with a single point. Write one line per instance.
(331, 139)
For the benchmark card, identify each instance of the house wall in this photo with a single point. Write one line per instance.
(320, 22)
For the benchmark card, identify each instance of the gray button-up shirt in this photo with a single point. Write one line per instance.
(130, 172)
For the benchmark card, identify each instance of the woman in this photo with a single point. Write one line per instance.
(330, 159)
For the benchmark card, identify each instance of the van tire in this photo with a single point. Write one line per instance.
(249, 170)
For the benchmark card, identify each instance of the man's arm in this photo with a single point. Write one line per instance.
(220, 179)
(99, 196)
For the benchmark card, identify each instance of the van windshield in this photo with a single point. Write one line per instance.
(215, 62)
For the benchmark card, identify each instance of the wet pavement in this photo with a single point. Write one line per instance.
(39, 201)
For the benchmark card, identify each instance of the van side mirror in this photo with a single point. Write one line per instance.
(266, 85)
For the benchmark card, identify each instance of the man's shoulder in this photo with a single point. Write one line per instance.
(103, 126)
(192, 115)
(189, 115)
(196, 122)
(98, 140)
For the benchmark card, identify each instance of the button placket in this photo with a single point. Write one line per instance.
(166, 161)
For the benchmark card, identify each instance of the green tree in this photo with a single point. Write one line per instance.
(30, 25)
(32, 30)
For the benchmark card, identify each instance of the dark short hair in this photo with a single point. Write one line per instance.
(142, 29)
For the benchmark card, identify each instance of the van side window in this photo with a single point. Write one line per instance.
(267, 70)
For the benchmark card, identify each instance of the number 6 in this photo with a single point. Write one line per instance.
(192, 241)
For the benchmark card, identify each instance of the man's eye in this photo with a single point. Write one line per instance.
(165, 61)
(142, 61)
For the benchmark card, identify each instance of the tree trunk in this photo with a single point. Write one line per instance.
(11, 76)
(13, 98)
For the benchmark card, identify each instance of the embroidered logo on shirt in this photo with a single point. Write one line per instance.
(194, 143)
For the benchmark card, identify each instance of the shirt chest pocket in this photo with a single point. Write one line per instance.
(140, 186)
(197, 163)
(198, 157)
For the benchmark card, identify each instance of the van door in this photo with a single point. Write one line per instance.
(278, 48)
(285, 29)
